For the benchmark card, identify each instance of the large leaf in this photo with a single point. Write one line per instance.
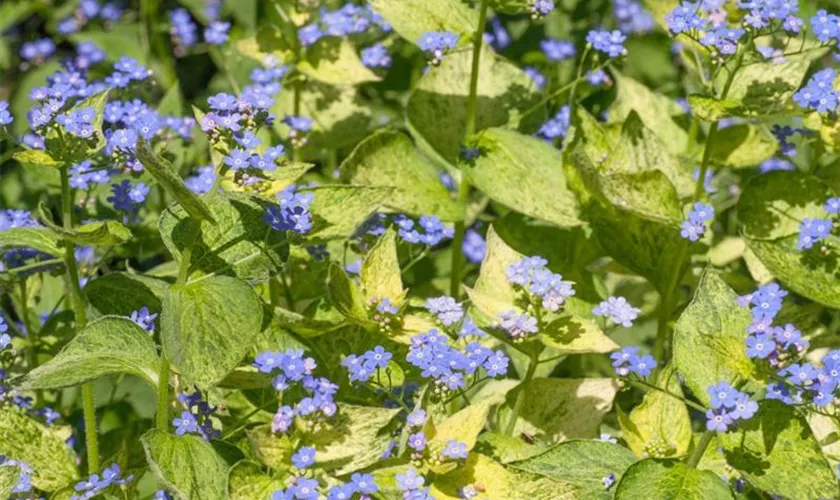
(209, 326)
(122, 293)
(463, 426)
(168, 177)
(334, 61)
(582, 463)
(355, 439)
(39, 238)
(412, 18)
(43, 448)
(346, 296)
(239, 243)
(9, 475)
(656, 111)
(555, 410)
(773, 449)
(118, 41)
(525, 174)
(246, 481)
(437, 109)
(709, 337)
(337, 211)
(271, 449)
(660, 422)
(388, 158)
(98, 233)
(496, 482)
(772, 207)
(572, 335)
(670, 480)
(187, 465)
(108, 346)
(744, 145)
(381, 277)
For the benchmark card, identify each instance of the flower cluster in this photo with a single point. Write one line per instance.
(627, 361)
(618, 309)
(531, 276)
(291, 213)
(349, 19)
(94, 485)
(5, 338)
(183, 30)
(293, 368)
(299, 129)
(6, 118)
(446, 309)
(556, 127)
(518, 325)
(436, 44)
(632, 17)
(439, 359)
(557, 50)
(216, 33)
(541, 8)
(606, 42)
(362, 368)
(128, 197)
(385, 313)
(727, 406)
(411, 484)
(144, 319)
(813, 230)
(819, 93)
(202, 182)
(825, 26)
(304, 488)
(433, 230)
(376, 56)
(474, 246)
(418, 443)
(197, 418)
(695, 227)
(38, 50)
(87, 11)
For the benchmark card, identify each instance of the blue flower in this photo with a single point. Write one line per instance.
(474, 246)
(291, 213)
(446, 309)
(608, 481)
(417, 441)
(541, 8)
(609, 43)
(760, 346)
(819, 93)
(745, 408)
(722, 395)
(145, 319)
(557, 50)
(812, 231)
(725, 40)
(128, 197)
(632, 17)
(775, 164)
(557, 127)
(496, 364)
(304, 457)
(803, 374)
(436, 44)
(416, 418)
(825, 26)
(5, 117)
(454, 450)
(203, 181)
(534, 74)
(686, 17)
(376, 56)
(364, 483)
(216, 33)
(518, 325)
(718, 420)
(304, 488)
(832, 206)
(691, 230)
(183, 30)
(617, 308)
(410, 480)
(788, 336)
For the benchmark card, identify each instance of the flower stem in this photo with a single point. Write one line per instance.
(31, 337)
(464, 187)
(646, 386)
(162, 417)
(80, 316)
(520, 397)
(700, 449)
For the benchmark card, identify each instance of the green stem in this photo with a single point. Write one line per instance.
(700, 449)
(520, 398)
(646, 386)
(464, 187)
(162, 417)
(31, 337)
(667, 302)
(80, 316)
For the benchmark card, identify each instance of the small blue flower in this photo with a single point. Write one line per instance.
(557, 50)
(364, 483)
(410, 480)
(5, 117)
(417, 441)
(454, 450)
(722, 395)
(609, 43)
(832, 205)
(416, 418)
(436, 44)
(446, 309)
(376, 56)
(216, 33)
(617, 308)
(474, 246)
(541, 8)
(718, 420)
(304, 457)
(760, 346)
(144, 319)
(812, 231)
(825, 26)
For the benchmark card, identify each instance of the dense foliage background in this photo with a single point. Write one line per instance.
(501, 249)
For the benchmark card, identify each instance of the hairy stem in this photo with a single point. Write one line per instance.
(80, 316)
(31, 337)
(464, 187)
(533, 361)
(700, 449)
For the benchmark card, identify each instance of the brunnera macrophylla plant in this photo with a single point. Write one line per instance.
(405, 249)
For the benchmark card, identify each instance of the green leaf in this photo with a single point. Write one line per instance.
(437, 107)
(774, 449)
(70, 149)
(37, 157)
(744, 145)
(209, 326)
(9, 475)
(239, 243)
(187, 465)
(381, 276)
(581, 463)
(342, 117)
(712, 110)
(655, 110)
(337, 211)
(347, 297)
(772, 207)
(356, 438)
(168, 177)
(118, 41)
(525, 174)
(388, 158)
(172, 102)
(99, 233)
(511, 6)
(560, 409)
(320, 318)
(575, 335)
(39, 238)
(121, 294)
(334, 61)
(268, 41)
(670, 480)
(492, 279)
(411, 18)
(709, 338)
(275, 451)
(463, 426)
(108, 346)
(42, 447)
(499, 482)
(246, 481)
(507, 449)
(660, 422)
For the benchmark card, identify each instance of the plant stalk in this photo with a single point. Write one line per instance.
(520, 398)
(80, 316)
(464, 186)
(700, 449)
